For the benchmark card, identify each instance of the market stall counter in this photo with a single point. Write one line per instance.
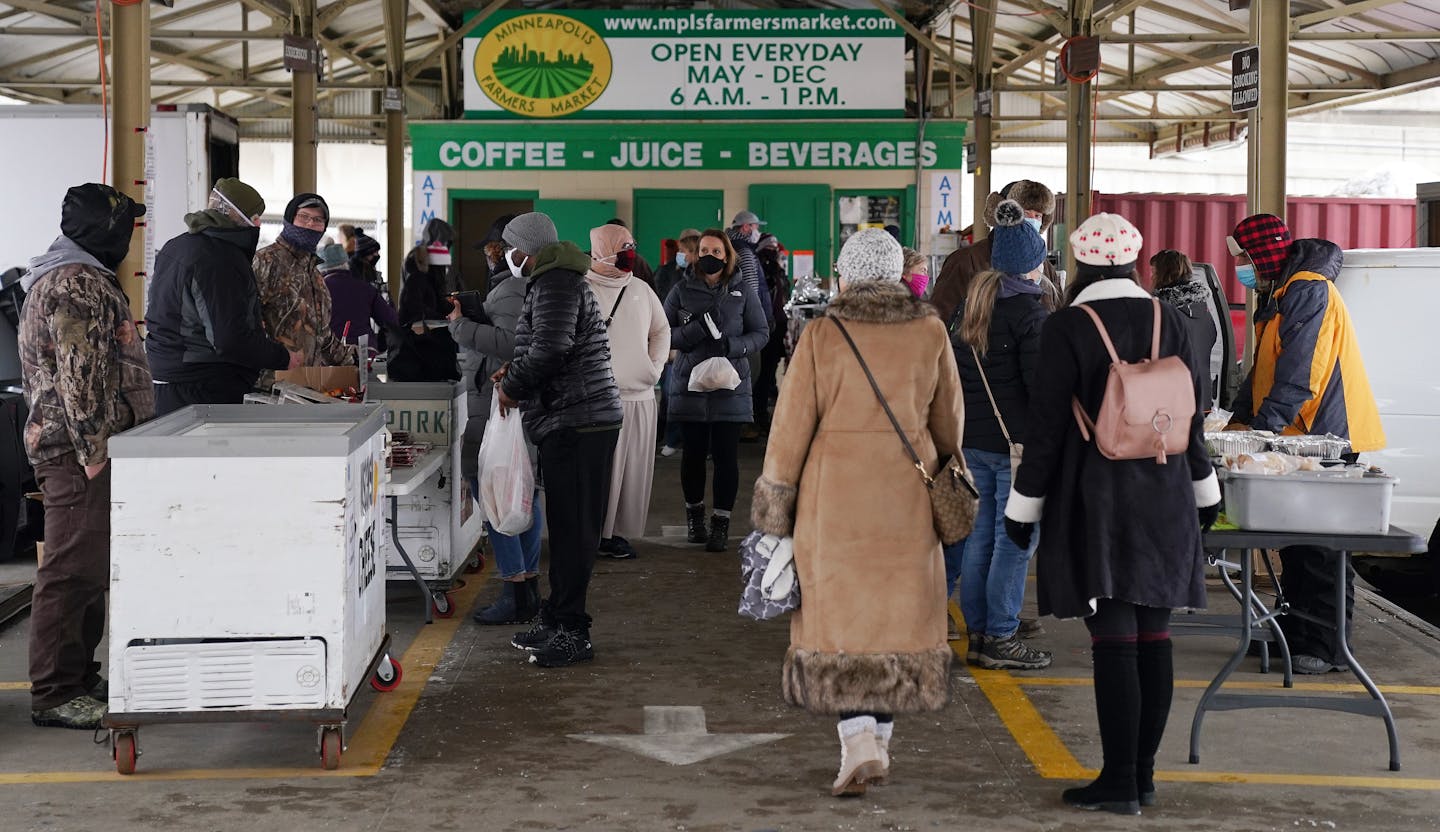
(242, 570)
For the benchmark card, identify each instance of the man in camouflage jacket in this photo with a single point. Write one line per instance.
(86, 379)
(294, 300)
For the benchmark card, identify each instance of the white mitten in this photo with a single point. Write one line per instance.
(779, 578)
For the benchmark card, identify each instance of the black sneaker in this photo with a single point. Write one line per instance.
(534, 638)
(566, 648)
(618, 548)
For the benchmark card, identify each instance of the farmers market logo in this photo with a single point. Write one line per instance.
(543, 65)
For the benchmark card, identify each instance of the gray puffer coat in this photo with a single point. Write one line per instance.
(740, 317)
(483, 349)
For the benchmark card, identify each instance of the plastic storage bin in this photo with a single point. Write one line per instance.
(1319, 502)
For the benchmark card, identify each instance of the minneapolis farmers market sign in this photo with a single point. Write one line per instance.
(686, 64)
(780, 145)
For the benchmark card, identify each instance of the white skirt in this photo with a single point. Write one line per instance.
(633, 474)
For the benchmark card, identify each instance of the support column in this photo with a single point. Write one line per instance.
(1270, 28)
(395, 237)
(129, 126)
(303, 118)
(982, 25)
(1079, 140)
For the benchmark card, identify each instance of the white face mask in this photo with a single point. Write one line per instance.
(515, 267)
(1033, 222)
(754, 236)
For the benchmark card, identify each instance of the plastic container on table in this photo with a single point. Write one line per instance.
(1333, 501)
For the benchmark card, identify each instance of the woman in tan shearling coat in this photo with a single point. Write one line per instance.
(868, 640)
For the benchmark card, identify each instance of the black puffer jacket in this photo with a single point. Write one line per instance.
(203, 319)
(1010, 362)
(561, 371)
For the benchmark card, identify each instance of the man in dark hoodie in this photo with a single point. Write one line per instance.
(85, 381)
(206, 337)
(561, 378)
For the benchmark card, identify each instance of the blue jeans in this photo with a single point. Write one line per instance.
(992, 571)
(954, 559)
(518, 554)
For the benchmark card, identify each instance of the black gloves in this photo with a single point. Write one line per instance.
(1208, 516)
(1019, 533)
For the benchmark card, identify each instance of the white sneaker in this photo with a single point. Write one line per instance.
(668, 451)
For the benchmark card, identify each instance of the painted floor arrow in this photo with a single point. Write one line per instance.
(677, 735)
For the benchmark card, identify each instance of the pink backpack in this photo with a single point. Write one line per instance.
(1148, 406)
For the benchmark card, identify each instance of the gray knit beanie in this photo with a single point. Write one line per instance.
(870, 254)
(531, 232)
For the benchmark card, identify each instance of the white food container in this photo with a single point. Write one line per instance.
(1319, 502)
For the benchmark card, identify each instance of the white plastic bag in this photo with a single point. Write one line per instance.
(714, 374)
(507, 480)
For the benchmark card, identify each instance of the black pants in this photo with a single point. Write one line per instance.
(704, 439)
(575, 468)
(1308, 580)
(67, 610)
(765, 388)
(222, 389)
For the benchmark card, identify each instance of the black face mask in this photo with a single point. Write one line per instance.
(710, 264)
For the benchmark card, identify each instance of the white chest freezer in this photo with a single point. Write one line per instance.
(246, 580)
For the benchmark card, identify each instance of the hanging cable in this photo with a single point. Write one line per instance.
(1065, 66)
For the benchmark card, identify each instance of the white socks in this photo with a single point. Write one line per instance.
(856, 725)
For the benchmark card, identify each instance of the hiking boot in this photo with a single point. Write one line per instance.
(1314, 665)
(82, 712)
(719, 537)
(534, 638)
(566, 648)
(972, 652)
(100, 690)
(1011, 654)
(617, 547)
(860, 763)
(695, 524)
(1030, 628)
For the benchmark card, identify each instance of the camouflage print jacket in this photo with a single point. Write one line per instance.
(295, 304)
(86, 378)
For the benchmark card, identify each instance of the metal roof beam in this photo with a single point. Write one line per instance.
(324, 17)
(189, 11)
(414, 68)
(50, 10)
(1343, 11)
(922, 38)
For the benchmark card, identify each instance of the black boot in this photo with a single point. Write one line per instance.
(1117, 705)
(507, 607)
(695, 524)
(532, 597)
(1156, 665)
(719, 537)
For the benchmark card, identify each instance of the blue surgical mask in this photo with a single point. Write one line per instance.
(681, 260)
(1033, 222)
(1246, 275)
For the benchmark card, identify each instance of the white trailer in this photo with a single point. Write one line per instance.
(49, 149)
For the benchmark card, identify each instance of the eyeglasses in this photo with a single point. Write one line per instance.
(310, 219)
(627, 247)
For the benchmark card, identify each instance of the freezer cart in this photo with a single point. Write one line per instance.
(245, 576)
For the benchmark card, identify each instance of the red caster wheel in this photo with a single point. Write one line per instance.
(444, 604)
(126, 752)
(331, 744)
(387, 675)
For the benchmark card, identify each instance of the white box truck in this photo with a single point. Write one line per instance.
(51, 148)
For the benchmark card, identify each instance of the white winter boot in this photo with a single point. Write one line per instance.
(883, 730)
(859, 757)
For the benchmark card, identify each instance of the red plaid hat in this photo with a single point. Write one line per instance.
(1266, 238)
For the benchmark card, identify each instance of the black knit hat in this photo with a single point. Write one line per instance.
(306, 201)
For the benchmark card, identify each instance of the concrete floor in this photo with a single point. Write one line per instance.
(488, 742)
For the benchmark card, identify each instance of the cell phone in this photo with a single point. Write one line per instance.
(472, 304)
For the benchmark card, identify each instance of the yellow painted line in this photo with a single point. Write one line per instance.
(1052, 760)
(14, 685)
(1318, 687)
(371, 741)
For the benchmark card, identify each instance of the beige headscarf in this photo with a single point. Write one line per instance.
(605, 242)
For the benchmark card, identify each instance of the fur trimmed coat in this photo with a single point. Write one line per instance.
(870, 631)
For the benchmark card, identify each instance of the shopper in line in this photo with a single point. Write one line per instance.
(777, 294)
(916, 277)
(639, 338)
(868, 640)
(355, 305)
(561, 372)
(1177, 284)
(687, 248)
(486, 336)
(999, 327)
(1120, 539)
(423, 297)
(86, 380)
(712, 314)
(365, 259)
(1308, 378)
(205, 334)
(953, 283)
(294, 301)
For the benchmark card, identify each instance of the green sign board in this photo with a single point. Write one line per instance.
(826, 63)
(777, 145)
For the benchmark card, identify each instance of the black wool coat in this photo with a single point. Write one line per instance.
(1126, 529)
(1010, 364)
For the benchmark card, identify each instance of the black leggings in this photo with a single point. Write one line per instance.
(720, 440)
(1122, 621)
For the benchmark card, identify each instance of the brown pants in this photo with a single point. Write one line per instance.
(67, 611)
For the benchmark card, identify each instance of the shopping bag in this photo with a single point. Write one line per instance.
(767, 569)
(507, 480)
(714, 374)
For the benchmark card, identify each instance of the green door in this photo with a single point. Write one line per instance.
(662, 214)
(575, 217)
(799, 215)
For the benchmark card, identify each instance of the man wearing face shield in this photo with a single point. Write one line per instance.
(1308, 378)
(86, 379)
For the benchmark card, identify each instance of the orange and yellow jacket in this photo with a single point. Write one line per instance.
(1308, 376)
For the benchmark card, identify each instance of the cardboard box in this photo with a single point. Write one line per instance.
(321, 378)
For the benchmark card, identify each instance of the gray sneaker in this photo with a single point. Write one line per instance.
(82, 712)
(1011, 654)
